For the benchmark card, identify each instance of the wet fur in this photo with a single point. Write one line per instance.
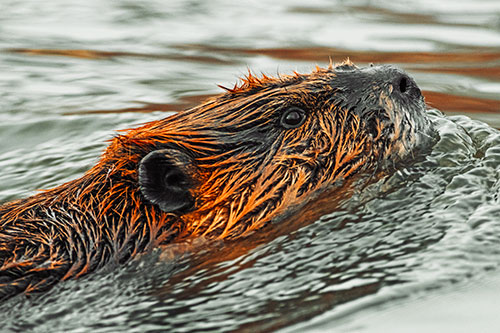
(239, 169)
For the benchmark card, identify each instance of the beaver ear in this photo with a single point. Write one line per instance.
(164, 180)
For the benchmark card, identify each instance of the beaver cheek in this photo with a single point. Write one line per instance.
(164, 180)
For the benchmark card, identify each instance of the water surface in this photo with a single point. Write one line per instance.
(413, 245)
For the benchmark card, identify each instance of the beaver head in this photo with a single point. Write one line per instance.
(241, 159)
(219, 170)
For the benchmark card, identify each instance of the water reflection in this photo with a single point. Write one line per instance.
(441, 64)
(72, 74)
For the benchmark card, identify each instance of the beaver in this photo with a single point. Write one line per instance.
(220, 170)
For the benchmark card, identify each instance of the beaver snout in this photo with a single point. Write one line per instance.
(394, 112)
(393, 81)
(371, 84)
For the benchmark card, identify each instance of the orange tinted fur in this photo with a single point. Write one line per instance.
(246, 172)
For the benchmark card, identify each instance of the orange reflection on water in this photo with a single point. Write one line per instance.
(317, 54)
(465, 104)
(321, 54)
(97, 55)
(434, 62)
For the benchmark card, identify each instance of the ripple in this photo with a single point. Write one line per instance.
(73, 74)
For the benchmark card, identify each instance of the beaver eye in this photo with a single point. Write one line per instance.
(293, 117)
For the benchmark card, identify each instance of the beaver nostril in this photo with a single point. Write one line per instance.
(403, 84)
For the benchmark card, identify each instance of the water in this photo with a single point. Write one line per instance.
(398, 255)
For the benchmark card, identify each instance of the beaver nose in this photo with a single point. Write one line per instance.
(404, 85)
